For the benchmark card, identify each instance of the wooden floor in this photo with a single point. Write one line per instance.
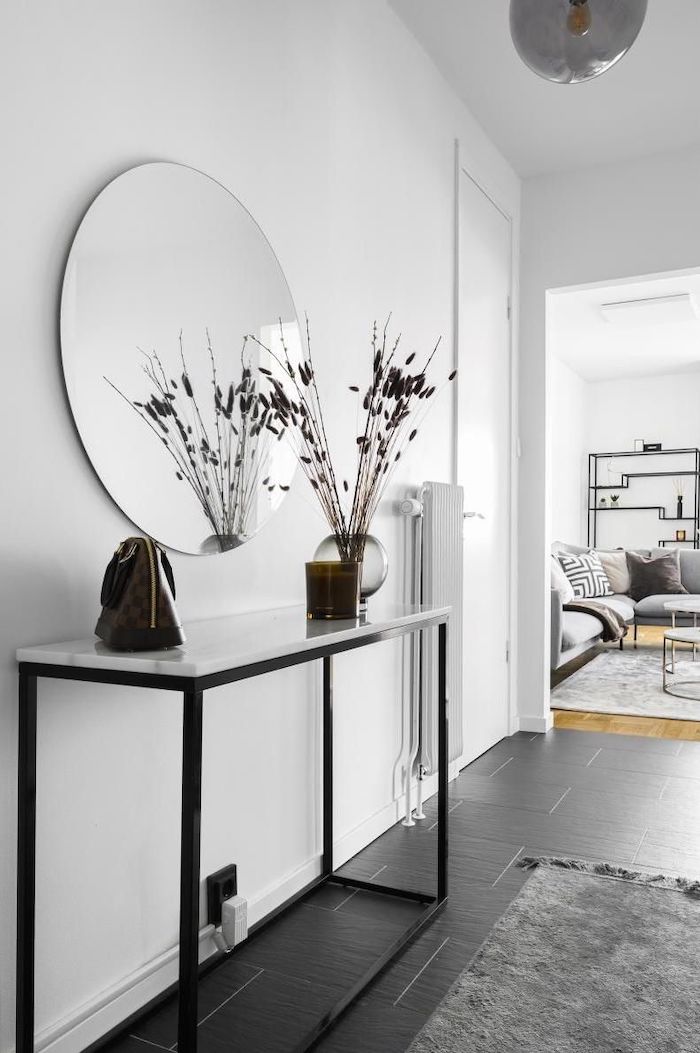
(619, 798)
(648, 636)
(654, 727)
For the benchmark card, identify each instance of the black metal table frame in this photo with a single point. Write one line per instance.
(193, 689)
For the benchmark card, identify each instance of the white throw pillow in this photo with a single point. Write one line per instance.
(560, 582)
(615, 566)
(587, 577)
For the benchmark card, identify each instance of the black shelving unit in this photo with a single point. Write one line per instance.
(626, 479)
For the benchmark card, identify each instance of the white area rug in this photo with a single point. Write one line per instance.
(629, 683)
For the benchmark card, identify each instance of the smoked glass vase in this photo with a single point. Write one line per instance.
(375, 564)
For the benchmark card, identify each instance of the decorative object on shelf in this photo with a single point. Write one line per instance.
(679, 487)
(138, 599)
(375, 564)
(614, 499)
(216, 441)
(568, 41)
(638, 445)
(603, 503)
(333, 589)
(394, 404)
(165, 248)
(680, 535)
(652, 447)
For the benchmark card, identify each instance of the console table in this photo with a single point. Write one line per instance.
(219, 651)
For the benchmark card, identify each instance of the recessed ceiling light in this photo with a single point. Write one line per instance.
(654, 310)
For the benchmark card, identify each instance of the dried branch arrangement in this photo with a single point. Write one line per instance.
(393, 404)
(221, 452)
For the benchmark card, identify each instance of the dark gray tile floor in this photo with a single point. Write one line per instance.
(632, 801)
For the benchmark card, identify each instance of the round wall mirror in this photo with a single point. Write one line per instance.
(173, 311)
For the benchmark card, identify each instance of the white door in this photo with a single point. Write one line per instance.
(483, 461)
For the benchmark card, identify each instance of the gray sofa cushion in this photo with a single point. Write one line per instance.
(615, 566)
(578, 628)
(586, 574)
(653, 606)
(624, 605)
(652, 575)
(690, 569)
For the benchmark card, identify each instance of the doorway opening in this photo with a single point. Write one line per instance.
(623, 390)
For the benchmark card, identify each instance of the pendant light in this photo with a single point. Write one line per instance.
(573, 40)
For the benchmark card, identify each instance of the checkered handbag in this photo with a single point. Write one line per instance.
(138, 599)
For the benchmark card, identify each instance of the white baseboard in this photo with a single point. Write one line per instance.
(100, 1014)
(107, 1010)
(537, 724)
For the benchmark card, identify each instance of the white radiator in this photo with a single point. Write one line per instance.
(434, 576)
(442, 573)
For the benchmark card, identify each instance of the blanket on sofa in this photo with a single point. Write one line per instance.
(614, 625)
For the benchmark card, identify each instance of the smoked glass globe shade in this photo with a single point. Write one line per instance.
(568, 41)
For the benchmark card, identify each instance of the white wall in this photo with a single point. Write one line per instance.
(607, 415)
(334, 129)
(569, 446)
(593, 225)
(659, 409)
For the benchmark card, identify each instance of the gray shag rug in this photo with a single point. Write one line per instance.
(629, 683)
(589, 958)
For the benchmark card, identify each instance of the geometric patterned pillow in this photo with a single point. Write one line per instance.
(586, 574)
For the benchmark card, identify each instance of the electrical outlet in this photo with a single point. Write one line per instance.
(220, 886)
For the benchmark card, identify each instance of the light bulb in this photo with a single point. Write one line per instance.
(578, 20)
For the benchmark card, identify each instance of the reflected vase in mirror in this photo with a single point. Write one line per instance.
(166, 250)
(374, 563)
(214, 438)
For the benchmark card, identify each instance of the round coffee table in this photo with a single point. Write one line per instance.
(681, 606)
(674, 636)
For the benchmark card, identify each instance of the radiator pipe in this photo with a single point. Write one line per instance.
(418, 811)
(412, 508)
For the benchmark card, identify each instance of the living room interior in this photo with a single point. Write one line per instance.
(305, 360)
(624, 362)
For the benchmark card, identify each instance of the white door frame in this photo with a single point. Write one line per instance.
(549, 293)
(462, 171)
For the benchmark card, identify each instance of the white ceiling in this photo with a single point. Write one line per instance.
(579, 335)
(647, 103)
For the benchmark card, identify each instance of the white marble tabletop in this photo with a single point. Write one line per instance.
(689, 606)
(228, 643)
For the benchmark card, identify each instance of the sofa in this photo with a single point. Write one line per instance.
(573, 633)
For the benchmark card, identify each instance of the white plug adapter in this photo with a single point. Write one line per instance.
(234, 920)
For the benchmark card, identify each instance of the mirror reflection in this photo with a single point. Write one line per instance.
(167, 280)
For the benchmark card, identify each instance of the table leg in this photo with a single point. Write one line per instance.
(189, 870)
(327, 862)
(443, 761)
(26, 862)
